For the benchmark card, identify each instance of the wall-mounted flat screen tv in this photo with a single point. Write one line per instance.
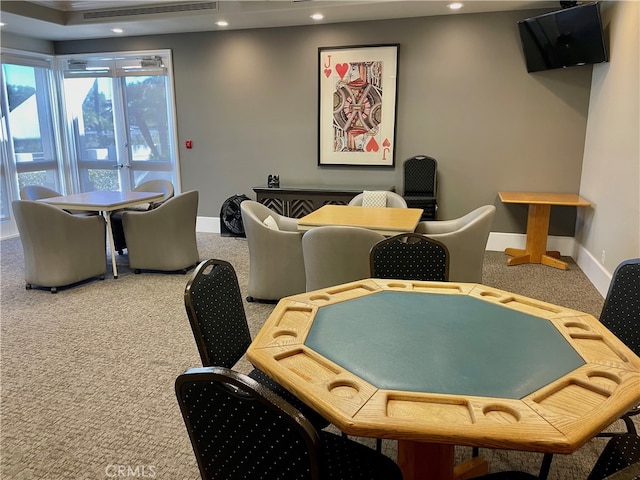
(573, 36)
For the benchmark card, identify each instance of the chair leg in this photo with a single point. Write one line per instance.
(631, 428)
(379, 445)
(546, 466)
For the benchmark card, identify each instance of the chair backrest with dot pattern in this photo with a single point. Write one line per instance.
(241, 430)
(410, 256)
(420, 176)
(621, 311)
(621, 452)
(214, 306)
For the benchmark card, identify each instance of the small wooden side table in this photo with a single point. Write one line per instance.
(538, 226)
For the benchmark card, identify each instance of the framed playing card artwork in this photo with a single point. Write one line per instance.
(357, 105)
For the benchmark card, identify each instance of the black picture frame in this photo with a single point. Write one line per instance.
(357, 105)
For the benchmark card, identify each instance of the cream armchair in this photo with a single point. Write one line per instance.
(157, 186)
(59, 248)
(163, 238)
(466, 239)
(37, 192)
(276, 265)
(394, 200)
(337, 254)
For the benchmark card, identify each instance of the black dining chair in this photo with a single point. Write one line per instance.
(619, 460)
(240, 429)
(410, 256)
(420, 184)
(213, 301)
(621, 315)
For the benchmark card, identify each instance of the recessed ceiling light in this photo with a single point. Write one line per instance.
(222, 23)
(455, 6)
(317, 16)
(117, 30)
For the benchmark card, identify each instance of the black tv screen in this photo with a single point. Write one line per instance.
(565, 38)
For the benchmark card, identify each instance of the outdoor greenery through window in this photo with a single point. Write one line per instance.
(79, 123)
(119, 113)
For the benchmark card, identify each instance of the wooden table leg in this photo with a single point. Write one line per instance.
(536, 247)
(422, 460)
(476, 467)
(553, 261)
(435, 461)
(537, 231)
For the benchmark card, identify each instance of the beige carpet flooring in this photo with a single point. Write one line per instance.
(87, 374)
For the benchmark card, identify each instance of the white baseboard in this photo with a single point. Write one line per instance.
(594, 270)
(567, 246)
(499, 241)
(208, 224)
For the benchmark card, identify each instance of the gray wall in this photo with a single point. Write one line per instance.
(611, 174)
(20, 42)
(248, 100)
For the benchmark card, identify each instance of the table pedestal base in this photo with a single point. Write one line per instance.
(434, 461)
(549, 258)
(536, 248)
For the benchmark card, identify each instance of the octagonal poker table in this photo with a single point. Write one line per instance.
(439, 364)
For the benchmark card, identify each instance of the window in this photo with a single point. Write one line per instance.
(121, 118)
(30, 149)
(111, 114)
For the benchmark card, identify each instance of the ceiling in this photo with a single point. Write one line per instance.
(69, 20)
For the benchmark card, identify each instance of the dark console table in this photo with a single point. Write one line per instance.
(298, 201)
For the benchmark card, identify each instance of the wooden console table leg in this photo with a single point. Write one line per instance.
(537, 231)
(518, 259)
(551, 261)
(535, 250)
(515, 252)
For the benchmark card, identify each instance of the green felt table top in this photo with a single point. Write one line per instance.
(442, 343)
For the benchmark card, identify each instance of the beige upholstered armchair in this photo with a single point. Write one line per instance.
(163, 238)
(393, 200)
(59, 248)
(157, 186)
(276, 265)
(336, 254)
(36, 192)
(466, 239)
